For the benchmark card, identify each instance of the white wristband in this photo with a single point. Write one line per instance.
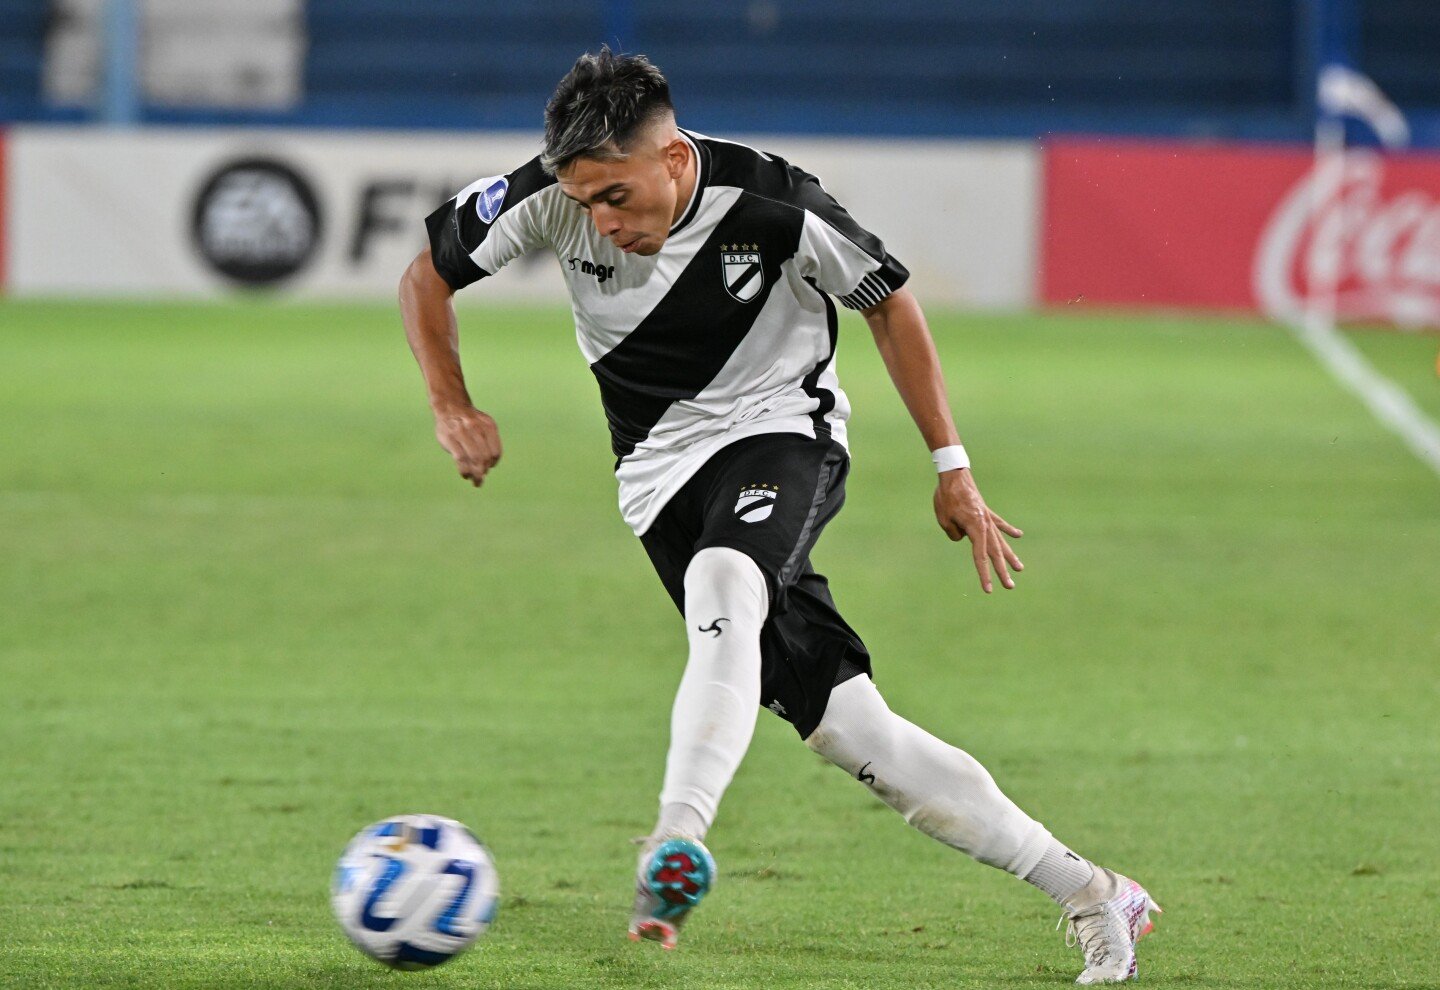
(950, 458)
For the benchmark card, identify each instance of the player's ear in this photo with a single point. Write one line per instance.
(677, 156)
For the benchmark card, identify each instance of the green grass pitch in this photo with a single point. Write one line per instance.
(246, 607)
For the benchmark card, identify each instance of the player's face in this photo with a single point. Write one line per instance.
(633, 202)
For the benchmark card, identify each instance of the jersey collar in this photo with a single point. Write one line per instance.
(702, 177)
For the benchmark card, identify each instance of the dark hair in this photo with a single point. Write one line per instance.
(599, 105)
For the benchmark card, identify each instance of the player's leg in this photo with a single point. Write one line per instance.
(939, 789)
(724, 599)
(743, 527)
(711, 722)
(758, 504)
(713, 718)
(948, 795)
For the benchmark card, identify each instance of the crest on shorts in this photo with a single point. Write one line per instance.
(740, 265)
(756, 503)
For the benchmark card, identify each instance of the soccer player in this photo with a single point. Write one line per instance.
(701, 274)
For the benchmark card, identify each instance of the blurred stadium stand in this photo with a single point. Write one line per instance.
(1196, 68)
(22, 52)
(196, 53)
(1400, 49)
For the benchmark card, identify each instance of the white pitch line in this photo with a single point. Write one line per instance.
(1388, 402)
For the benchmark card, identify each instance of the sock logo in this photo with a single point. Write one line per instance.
(863, 777)
(756, 502)
(714, 627)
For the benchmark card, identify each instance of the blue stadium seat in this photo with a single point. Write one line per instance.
(1205, 67)
(1205, 56)
(1400, 42)
(22, 45)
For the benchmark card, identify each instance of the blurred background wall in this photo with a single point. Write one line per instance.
(219, 145)
(1193, 68)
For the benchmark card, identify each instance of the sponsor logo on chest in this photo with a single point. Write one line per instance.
(741, 269)
(602, 273)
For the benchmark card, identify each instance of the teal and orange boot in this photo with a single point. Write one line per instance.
(672, 879)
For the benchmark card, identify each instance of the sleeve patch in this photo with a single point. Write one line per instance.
(491, 198)
(492, 190)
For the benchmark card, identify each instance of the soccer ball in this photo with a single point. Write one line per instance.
(414, 891)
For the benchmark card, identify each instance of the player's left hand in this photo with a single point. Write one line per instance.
(962, 513)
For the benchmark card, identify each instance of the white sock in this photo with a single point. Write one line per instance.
(941, 790)
(675, 820)
(726, 601)
(1060, 872)
(678, 819)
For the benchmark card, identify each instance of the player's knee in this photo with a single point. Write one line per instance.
(830, 740)
(857, 725)
(726, 576)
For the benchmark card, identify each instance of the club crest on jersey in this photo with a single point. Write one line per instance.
(756, 503)
(743, 275)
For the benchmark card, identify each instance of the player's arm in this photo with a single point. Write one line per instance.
(849, 262)
(480, 230)
(908, 350)
(467, 434)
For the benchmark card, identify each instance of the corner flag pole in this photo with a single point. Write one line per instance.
(1342, 92)
(1322, 300)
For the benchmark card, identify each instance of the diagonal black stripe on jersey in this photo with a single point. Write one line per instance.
(682, 344)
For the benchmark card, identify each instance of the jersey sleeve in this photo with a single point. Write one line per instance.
(489, 224)
(843, 258)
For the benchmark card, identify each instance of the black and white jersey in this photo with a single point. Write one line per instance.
(725, 333)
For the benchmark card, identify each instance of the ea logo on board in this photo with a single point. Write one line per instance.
(257, 221)
(756, 503)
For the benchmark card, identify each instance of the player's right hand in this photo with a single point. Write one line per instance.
(472, 438)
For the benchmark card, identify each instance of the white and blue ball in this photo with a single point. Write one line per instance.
(415, 891)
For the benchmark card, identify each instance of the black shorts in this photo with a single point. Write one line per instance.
(769, 496)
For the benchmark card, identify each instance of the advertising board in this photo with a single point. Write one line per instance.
(1261, 228)
(159, 213)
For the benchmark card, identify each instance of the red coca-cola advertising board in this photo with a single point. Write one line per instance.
(1239, 227)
